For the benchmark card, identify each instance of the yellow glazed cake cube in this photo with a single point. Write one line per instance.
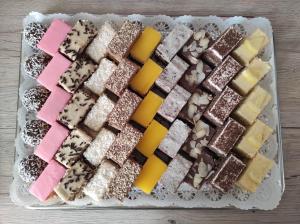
(145, 45)
(253, 105)
(145, 77)
(250, 76)
(251, 46)
(255, 172)
(254, 138)
(151, 139)
(150, 174)
(245, 52)
(147, 109)
(258, 39)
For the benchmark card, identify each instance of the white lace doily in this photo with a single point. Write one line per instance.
(268, 194)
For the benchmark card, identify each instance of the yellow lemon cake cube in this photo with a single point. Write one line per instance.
(254, 138)
(253, 105)
(248, 78)
(251, 46)
(255, 172)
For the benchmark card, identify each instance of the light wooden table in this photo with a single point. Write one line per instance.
(285, 19)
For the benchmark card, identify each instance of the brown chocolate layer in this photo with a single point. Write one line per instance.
(228, 173)
(121, 43)
(229, 40)
(222, 106)
(226, 137)
(222, 75)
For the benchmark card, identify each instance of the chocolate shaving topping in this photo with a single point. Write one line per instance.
(34, 98)
(34, 131)
(31, 167)
(35, 64)
(33, 33)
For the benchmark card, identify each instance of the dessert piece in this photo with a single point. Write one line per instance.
(201, 169)
(173, 104)
(34, 98)
(124, 144)
(76, 109)
(251, 46)
(254, 138)
(145, 44)
(222, 106)
(33, 33)
(96, 83)
(228, 173)
(54, 36)
(98, 47)
(225, 43)
(123, 110)
(226, 137)
(120, 78)
(247, 79)
(195, 46)
(51, 142)
(121, 185)
(255, 172)
(99, 146)
(53, 105)
(73, 147)
(82, 33)
(98, 115)
(147, 109)
(150, 174)
(253, 105)
(222, 75)
(97, 187)
(34, 131)
(151, 139)
(79, 71)
(195, 106)
(198, 139)
(122, 42)
(74, 180)
(176, 172)
(176, 136)
(52, 72)
(30, 168)
(194, 76)
(49, 178)
(35, 64)
(173, 42)
(171, 74)
(143, 80)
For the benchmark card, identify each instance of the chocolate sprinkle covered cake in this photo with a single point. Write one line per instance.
(35, 64)
(34, 98)
(30, 168)
(33, 33)
(34, 131)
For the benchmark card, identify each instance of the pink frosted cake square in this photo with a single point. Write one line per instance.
(51, 142)
(55, 68)
(46, 182)
(54, 36)
(54, 104)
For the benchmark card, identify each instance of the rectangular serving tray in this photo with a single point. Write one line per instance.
(268, 195)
